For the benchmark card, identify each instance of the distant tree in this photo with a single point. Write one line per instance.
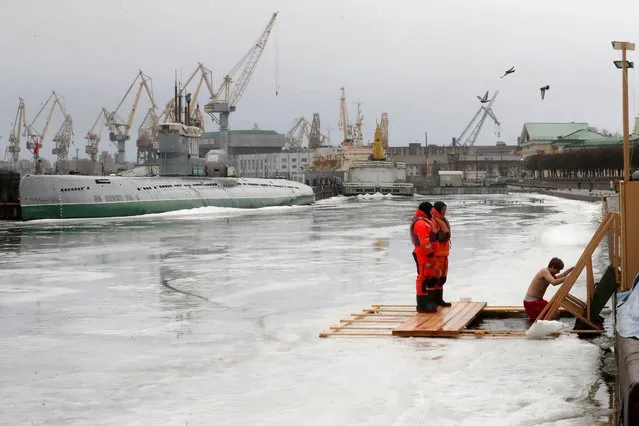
(589, 162)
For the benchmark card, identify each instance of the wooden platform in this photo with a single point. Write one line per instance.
(402, 320)
(447, 322)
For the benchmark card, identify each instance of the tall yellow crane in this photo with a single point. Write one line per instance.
(119, 131)
(94, 135)
(35, 138)
(14, 137)
(378, 146)
(225, 100)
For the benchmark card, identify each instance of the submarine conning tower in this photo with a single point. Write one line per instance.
(178, 150)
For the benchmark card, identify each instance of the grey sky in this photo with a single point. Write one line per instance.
(422, 62)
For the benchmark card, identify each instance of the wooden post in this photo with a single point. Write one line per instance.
(624, 46)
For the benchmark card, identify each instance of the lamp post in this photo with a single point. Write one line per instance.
(624, 46)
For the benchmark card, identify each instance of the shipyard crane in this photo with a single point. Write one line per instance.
(34, 137)
(119, 130)
(94, 135)
(344, 123)
(147, 142)
(481, 114)
(295, 137)
(196, 118)
(14, 137)
(358, 134)
(62, 140)
(383, 125)
(316, 138)
(225, 100)
(466, 139)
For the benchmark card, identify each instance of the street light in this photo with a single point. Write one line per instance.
(624, 46)
(623, 64)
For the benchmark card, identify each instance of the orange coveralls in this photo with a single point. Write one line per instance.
(423, 238)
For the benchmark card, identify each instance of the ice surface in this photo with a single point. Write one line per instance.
(91, 336)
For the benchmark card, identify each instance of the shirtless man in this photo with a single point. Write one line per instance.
(534, 301)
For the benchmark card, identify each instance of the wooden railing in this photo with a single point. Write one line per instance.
(610, 225)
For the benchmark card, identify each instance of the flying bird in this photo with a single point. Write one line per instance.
(510, 71)
(543, 91)
(484, 98)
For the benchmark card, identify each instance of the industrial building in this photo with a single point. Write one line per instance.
(245, 142)
(286, 164)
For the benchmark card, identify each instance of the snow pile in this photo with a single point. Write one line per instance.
(544, 328)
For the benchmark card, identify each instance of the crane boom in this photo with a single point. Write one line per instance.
(252, 57)
(484, 111)
(115, 123)
(35, 138)
(225, 100)
(93, 136)
(14, 137)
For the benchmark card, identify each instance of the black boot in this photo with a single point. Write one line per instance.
(439, 297)
(426, 303)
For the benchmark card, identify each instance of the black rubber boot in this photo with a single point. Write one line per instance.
(439, 299)
(426, 303)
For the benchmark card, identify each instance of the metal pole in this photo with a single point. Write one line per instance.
(626, 148)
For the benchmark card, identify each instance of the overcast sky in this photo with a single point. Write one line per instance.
(421, 61)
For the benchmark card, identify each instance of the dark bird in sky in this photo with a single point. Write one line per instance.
(543, 91)
(510, 71)
(483, 99)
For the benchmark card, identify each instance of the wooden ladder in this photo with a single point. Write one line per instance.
(572, 304)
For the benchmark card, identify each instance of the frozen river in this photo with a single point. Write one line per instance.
(90, 335)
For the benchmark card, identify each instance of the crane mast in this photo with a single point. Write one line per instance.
(478, 120)
(14, 137)
(196, 117)
(62, 140)
(147, 142)
(344, 123)
(119, 131)
(34, 138)
(93, 136)
(225, 100)
(295, 137)
(358, 134)
(383, 125)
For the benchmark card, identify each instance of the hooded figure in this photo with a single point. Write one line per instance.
(442, 249)
(423, 237)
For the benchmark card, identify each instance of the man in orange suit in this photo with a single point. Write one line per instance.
(422, 235)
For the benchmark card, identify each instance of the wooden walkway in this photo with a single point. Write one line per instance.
(447, 322)
(402, 320)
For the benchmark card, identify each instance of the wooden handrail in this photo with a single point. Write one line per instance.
(609, 223)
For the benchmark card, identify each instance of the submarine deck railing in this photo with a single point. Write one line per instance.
(610, 225)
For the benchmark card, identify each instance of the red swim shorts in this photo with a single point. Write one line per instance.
(533, 309)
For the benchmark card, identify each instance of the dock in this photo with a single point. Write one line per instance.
(462, 319)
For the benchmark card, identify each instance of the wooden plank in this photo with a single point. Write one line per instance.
(455, 317)
(412, 323)
(461, 322)
(446, 314)
(434, 324)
